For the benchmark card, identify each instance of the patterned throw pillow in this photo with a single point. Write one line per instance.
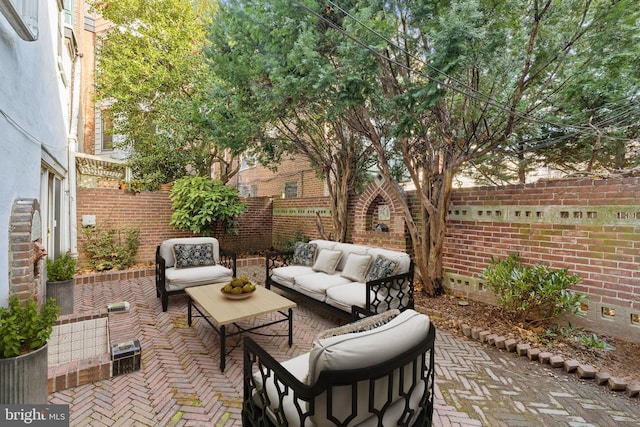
(361, 325)
(382, 267)
(193, 255)
(304, 253)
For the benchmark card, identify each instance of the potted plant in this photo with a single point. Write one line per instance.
(25, 330)
(60, 273)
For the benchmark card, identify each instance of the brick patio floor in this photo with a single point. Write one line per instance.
(180, 383)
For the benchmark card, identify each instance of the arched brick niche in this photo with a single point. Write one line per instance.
(378, 219)
(25, 250)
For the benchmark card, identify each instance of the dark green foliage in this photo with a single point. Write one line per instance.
(289, 245)
(532, 295)
(23, 328)
(200, 204)
(61, 268)
(109, 248)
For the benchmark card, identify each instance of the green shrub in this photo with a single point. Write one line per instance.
(61, 269)
(289, 245)
(201, 204)
(532, 295)
(23, 328)
(592, 341)
(109, 248)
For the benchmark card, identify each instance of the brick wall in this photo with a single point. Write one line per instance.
(377, 205)
(25, 262)
(271, 184)
(591, 227)
(293, 216)
(113, 208)
(254, 227)
(151, 212)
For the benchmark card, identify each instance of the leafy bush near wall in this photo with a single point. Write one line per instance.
(532, 295)
(201, 204)
(109, 248)
(289, 245)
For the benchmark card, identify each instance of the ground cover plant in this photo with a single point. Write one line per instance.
(619, 356)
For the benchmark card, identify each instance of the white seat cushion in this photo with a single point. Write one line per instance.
(315, 285)
(345, 296)
(181, 278)
(286, 275)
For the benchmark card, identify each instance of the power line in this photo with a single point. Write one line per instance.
(471, 93)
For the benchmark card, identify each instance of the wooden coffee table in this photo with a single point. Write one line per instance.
(220, 311)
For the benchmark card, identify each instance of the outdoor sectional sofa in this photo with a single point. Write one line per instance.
(349, 280)
(191, 261)
(378, 371)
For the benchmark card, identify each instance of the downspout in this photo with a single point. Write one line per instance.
(72, 143)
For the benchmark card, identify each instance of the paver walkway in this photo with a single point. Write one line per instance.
(180, 382)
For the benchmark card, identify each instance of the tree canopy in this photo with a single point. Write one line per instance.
(430, 85)
(153, 79)
(276, 72)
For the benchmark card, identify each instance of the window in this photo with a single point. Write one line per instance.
(290, 190)
(68, 12)
(247, 161)
(107, 131)
(23, 17)
(249, 191)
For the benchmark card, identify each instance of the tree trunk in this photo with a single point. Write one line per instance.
(428, 241)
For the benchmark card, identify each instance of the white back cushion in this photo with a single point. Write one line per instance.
(323, 244)
(348, 248)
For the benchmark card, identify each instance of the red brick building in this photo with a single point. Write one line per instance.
(294, 178)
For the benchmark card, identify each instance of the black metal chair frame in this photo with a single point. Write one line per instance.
(418, 360)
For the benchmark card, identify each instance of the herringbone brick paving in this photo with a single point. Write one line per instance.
(180, 383)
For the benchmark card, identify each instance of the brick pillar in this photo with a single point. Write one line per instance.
(25, 254)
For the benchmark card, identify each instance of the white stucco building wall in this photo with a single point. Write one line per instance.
(35, 101)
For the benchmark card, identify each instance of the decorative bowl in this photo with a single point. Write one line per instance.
(237, 296)
(245, 281)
